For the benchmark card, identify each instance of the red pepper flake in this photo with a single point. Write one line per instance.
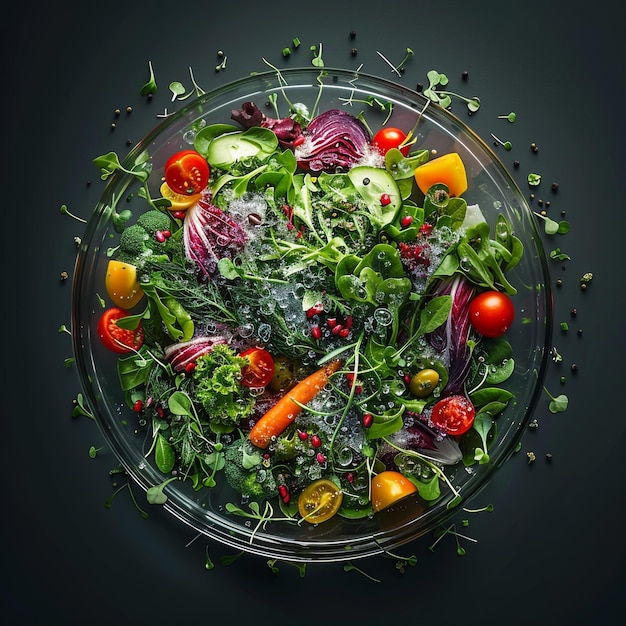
(385, 199)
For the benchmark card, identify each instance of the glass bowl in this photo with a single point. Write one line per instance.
(489, 185)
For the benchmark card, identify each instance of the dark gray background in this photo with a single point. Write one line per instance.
(553, 548)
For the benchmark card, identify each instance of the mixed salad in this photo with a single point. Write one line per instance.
(311, 314)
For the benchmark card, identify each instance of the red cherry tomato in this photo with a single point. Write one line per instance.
(187, 172)
(118, 339)
(260, 370)
(491, 313)
(453, 415)
(390, 137)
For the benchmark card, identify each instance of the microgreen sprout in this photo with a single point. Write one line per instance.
(556, 357)
(64, 329)
(396, 68)
(349, 567)
(65, 211)
(272, 564)
(558, 255)
(558, 404)
(208, 563)
(510, 117)
(149, 88)
(222, 64)
(587, 277)
(534, 179)
(488, 508)
(451, 530)
(156, 494)
(552, 227)
(444, 98)
(80, 408)
(507, 145)
(93, 452)
(317, 60)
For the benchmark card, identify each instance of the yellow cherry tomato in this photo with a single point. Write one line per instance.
(319, 501)
(389, 487)
(424, 382)
(122, 284)
(179, 201)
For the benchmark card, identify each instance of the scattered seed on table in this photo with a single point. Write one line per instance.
(548, 456)
(465, 74)
(353, 52)
(353, 34)
(555, 186)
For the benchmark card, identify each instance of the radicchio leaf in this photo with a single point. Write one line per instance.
(210, 234)
(334, 140)
(451, 338)
(179, 355)
(286, 129)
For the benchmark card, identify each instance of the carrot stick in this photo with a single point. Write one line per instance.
(277, 418)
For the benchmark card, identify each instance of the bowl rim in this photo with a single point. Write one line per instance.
(268, 544)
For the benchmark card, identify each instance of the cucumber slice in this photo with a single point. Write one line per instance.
(227, 149)
(374, 185)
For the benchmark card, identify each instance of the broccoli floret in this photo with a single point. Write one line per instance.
(154, 220)
(140, 241)
(245, 473)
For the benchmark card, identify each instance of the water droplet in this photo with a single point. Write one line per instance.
(383, 316)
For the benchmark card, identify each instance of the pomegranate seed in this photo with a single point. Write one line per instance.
(160, 237)
(407, 378)
(331, 322)
(344, 332)
(298, 141)
(406, 220)
(138, 406)
(179, 215)
(316, 442)
(336, 329)
(367, 420)
(167, 234)
(350, 477)
(190, 367)
(316, 332)
(426, 229)
(320, 458)
(303, 435)
(160, 411)
(348, 322)
(350, 377)
(316, 309)
(358, 389)
(385, 199)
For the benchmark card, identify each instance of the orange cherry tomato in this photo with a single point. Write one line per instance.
(390, 137)
(260, 370)
(453, 415)
(389, 487)
(491, 313)
(187, 172)
(448, 170)
(118, 339)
